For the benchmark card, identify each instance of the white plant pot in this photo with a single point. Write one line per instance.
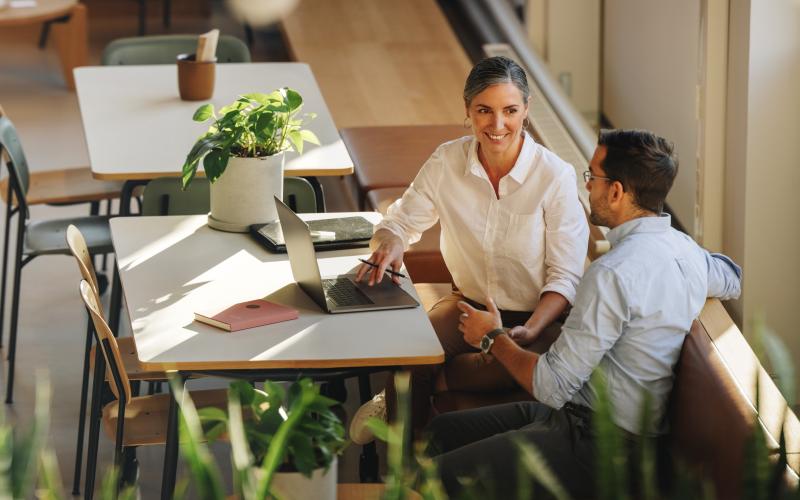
(295, 486)
(243, 194)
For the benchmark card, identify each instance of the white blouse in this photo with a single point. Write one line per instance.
(531, 240)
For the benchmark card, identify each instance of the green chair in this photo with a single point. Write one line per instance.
(162, 49)
(163, 196)
(34, 238)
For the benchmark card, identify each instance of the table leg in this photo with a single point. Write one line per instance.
(72, 43)
(171, 451)
(368, 461)
(318, 194)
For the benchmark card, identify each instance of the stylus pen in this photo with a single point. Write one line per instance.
(393, 273)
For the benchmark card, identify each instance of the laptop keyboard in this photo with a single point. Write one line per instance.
(342, 292)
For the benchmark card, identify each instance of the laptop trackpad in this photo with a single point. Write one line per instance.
(385, 292)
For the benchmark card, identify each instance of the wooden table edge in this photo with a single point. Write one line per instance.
(291, 172)
(293, 364)
(21, 21)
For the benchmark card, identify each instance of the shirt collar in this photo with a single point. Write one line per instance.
(657, 224)
(519, 172)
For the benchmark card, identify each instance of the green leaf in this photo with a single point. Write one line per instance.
(302, 452)
(293, 99)
(258, 97)
(296, 140)
(537, 466)
(309, 136)
(203, 113)
(214, 164)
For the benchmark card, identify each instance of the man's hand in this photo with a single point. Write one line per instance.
(474, 324)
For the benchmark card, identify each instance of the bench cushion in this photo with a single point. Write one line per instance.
(423, 259)
(392, 156)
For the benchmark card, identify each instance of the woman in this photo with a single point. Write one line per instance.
(512, 228)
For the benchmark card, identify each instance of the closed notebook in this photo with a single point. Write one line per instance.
(248, 314)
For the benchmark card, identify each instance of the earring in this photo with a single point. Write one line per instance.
(526, 123)
(467, 123)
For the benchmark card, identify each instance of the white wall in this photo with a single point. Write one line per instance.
(566, 34)
(763, 173)
(650, 77)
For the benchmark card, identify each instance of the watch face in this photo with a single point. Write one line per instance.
(486, 343)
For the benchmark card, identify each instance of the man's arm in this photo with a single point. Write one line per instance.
(724, 277)
(519, 362)
(474, 324)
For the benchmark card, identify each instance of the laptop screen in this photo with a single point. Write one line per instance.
(302, 257)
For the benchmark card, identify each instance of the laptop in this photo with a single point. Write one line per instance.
(334, 294)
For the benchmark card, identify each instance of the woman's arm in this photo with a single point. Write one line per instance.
(550, 307)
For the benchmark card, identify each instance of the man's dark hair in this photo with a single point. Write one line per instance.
(643, 162)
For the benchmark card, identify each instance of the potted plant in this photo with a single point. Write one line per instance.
(248, 139)
(292, 439)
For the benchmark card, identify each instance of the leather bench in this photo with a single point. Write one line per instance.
(386, 157)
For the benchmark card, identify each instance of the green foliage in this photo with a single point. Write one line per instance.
(293, 429)
(406, 472)
(610, 455)
(253, 126)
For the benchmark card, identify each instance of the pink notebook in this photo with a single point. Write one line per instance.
(248, 314)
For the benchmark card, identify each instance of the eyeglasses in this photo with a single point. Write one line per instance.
(587, 176)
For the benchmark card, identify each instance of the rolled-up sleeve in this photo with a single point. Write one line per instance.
(595, 323)
(416, 211)
(724, 277)
(566, 238)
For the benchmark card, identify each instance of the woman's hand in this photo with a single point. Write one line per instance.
(523, 335)
(474, 323)
(387, 252)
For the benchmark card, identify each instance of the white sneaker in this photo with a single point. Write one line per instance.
(360, 433)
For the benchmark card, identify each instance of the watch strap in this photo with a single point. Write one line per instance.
(494, 333)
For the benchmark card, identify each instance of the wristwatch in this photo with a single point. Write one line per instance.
(488, 340)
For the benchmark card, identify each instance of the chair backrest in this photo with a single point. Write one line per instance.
(299, 195)
(17, 164)
(163, 49)
(163, 196)
(77, 245)
(120, 383)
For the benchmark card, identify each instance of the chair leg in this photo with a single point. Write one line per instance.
(12, 341)
(368, 460)
(76, 481)
(94, 424)
(9, 215)
(142, 16)
(115, 303)
(167, 13)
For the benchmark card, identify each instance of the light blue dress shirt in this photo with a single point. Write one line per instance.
(633, 308)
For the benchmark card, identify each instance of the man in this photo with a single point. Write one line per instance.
(633, 308)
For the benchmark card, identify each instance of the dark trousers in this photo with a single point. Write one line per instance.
(481, 443)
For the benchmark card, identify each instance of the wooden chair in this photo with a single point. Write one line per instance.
(130, 360)
(34, 238)
(131, 421)
(163, 49)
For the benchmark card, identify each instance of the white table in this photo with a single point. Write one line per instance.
(137, 127)
(171, 267)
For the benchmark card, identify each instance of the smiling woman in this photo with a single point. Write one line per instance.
(512, 229)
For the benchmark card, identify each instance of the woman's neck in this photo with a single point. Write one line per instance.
(498, 166)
